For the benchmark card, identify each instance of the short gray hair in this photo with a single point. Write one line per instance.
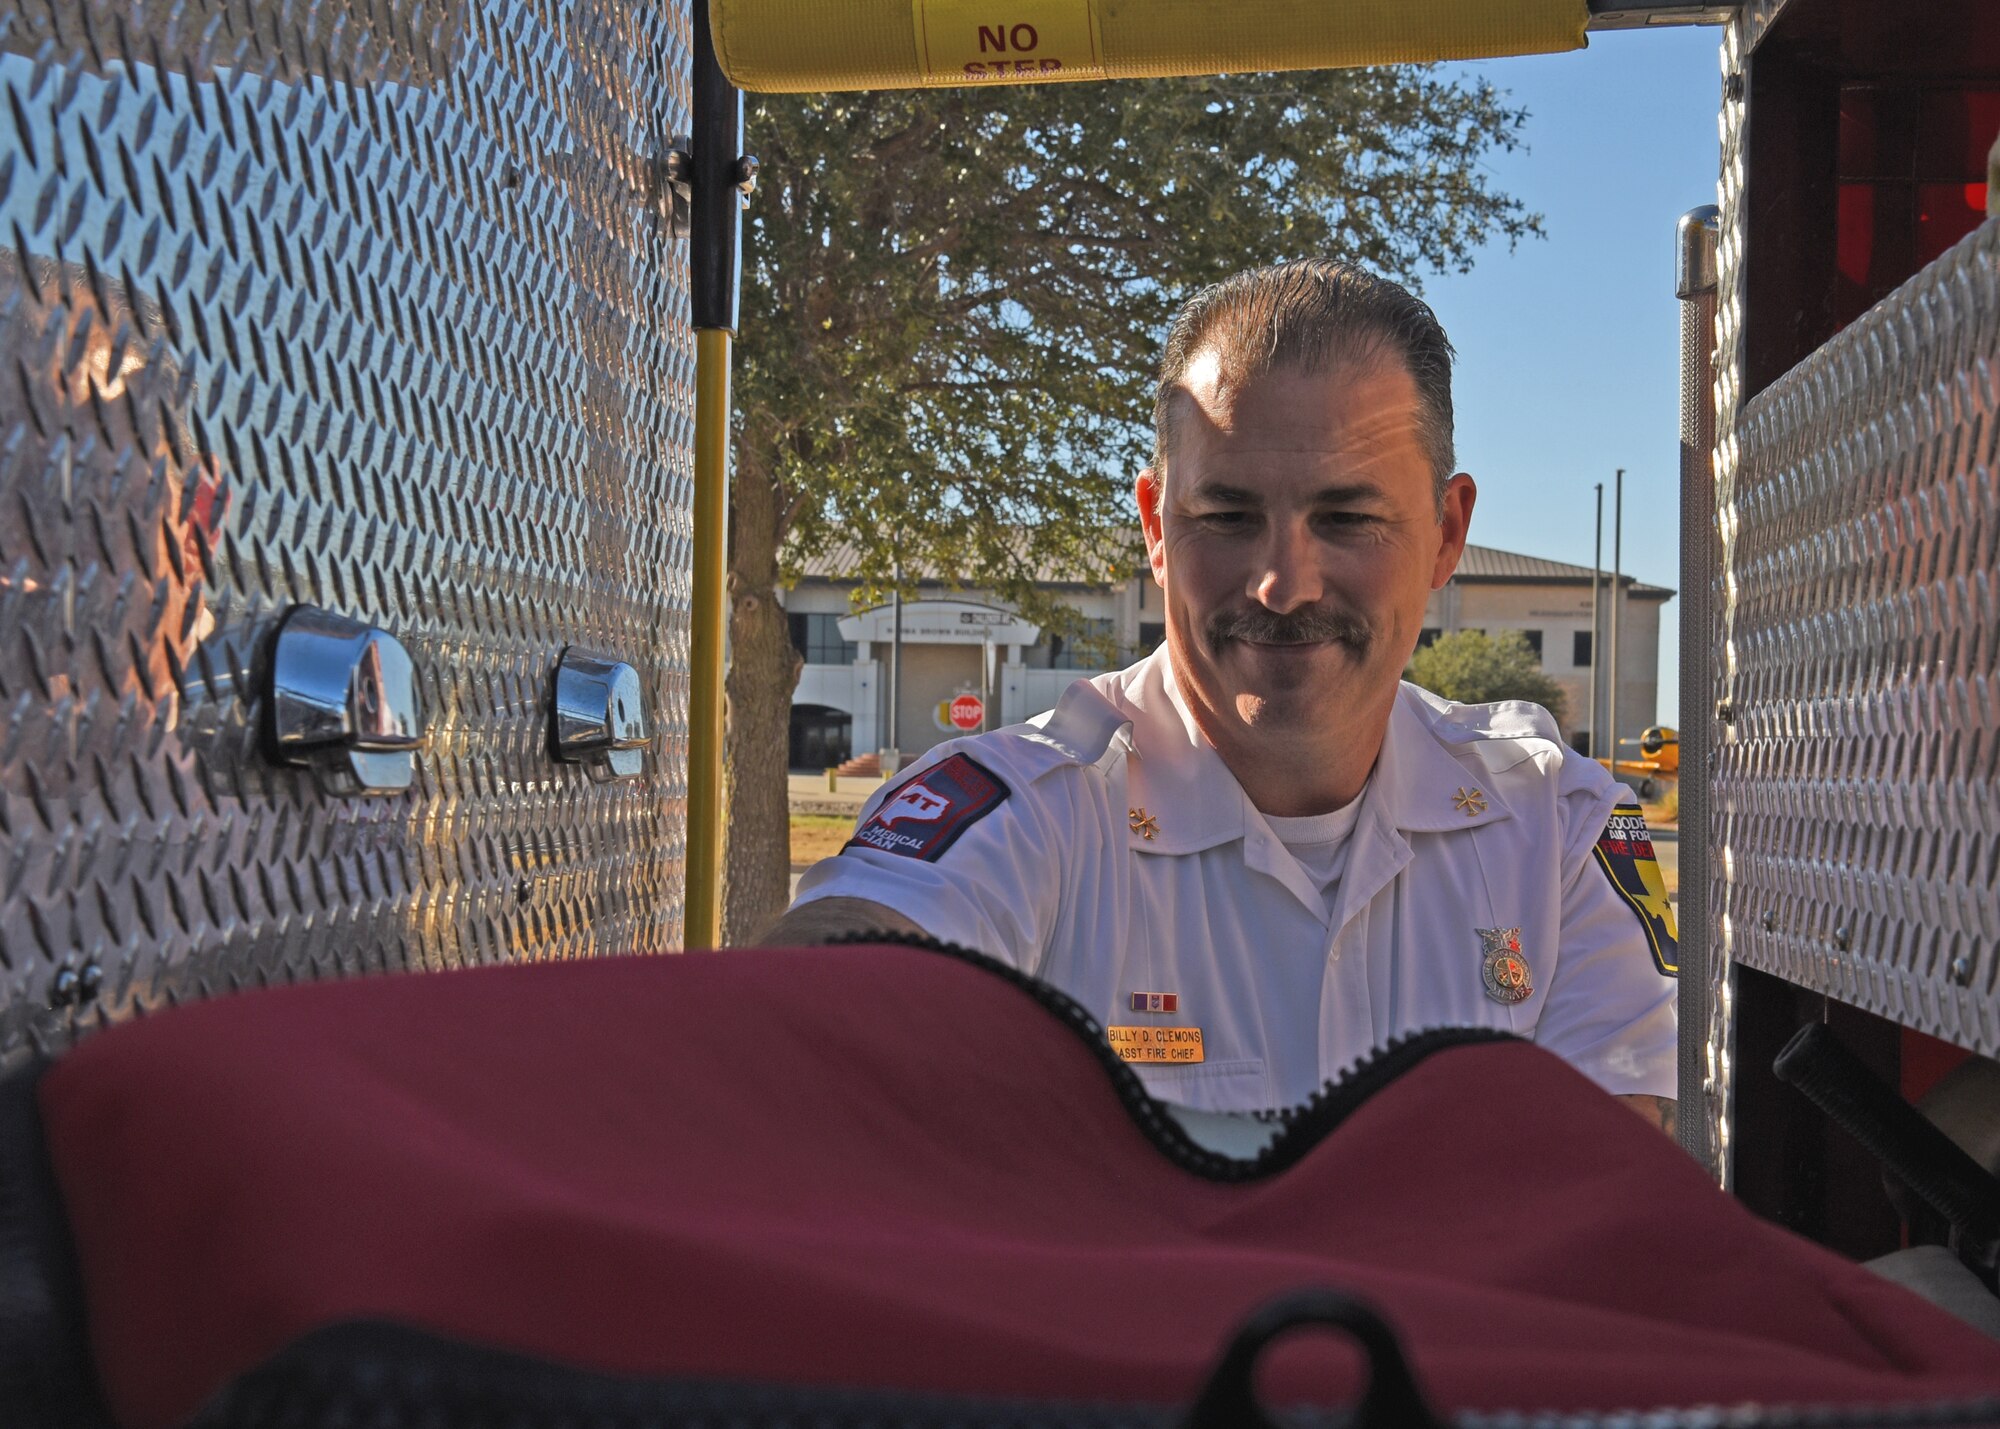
(1307, 316)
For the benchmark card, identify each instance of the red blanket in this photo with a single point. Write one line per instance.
(888, 1167)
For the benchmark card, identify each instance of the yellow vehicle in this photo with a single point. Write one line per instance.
(1658, 766)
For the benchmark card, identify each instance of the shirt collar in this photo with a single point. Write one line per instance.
(1176, 778)
(1173, 774)
(1424, 786)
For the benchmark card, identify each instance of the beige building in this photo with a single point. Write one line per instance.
(1549, 603)
(969, 663)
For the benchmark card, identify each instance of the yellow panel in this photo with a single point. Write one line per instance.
(1156, 1044)
(1025, 42)
(779, 46)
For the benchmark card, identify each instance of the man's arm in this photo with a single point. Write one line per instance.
(1663, 1112)
(825, 919)
(1610, 999)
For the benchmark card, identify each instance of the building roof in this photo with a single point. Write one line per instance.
(1480, 564)
(1487, 565)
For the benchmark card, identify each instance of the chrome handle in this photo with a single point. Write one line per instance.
(599, 718)
(343, 703)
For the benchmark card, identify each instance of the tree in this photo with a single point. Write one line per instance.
(1474, 668)
(953, 301)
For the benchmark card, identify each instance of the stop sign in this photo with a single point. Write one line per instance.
(967, 712)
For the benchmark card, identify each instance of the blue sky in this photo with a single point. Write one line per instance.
(1569, 347)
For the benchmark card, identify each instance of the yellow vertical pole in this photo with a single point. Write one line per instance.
(707, 637)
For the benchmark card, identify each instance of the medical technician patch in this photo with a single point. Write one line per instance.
(1625, 851)
(926, 814)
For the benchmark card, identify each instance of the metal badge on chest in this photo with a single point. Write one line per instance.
(1503, 968)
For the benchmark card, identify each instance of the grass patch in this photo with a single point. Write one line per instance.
(818, 836)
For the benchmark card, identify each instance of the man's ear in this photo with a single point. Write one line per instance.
(1454, 521)
(1150, 492)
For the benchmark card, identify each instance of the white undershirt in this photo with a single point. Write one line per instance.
(1319, 841)
(1294, 976)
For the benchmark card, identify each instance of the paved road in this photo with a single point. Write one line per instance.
(1667, 848)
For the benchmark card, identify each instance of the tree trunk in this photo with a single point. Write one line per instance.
(763, 672)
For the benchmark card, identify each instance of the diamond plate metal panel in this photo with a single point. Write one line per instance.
(362, 306)
(1857, 803)
(1707, 947)
(1695, 285)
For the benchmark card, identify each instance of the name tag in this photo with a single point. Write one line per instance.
(1155, 1044)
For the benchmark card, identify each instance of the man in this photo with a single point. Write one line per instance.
(1257, 855)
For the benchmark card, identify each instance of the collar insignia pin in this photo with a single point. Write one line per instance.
(1469, 802)
(1143, 824)
(1504, 968)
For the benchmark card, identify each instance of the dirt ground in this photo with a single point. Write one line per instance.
(817, 836)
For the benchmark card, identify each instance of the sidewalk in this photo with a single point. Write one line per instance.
(809, 794)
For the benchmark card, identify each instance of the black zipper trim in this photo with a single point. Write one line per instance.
(1303, 1126)
(1928, 1414)
(389, 1375)
(1339, 1098)
(395, 1376)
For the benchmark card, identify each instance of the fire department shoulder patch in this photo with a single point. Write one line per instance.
(1625, 852)
(926, 813)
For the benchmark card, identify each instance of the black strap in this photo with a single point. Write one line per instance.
(46, 1377)
(1391, 1399)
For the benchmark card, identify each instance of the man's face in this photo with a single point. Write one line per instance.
(1297, 538)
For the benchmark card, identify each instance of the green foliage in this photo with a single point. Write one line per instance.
(1473, 668)
(953, 298)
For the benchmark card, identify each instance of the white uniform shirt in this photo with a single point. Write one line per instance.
(1107, 849)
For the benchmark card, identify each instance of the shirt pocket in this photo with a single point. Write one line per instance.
(1227, 1084)
(1435, 967)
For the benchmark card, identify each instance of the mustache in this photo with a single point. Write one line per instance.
(1306, 626)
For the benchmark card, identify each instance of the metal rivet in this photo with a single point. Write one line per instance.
(599, 720)
(523, 891)
(1961, 971)
(343, 703)
(1842, 938)
(89, 981)
(673, 186)
(1770, 921)
(63, 992)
